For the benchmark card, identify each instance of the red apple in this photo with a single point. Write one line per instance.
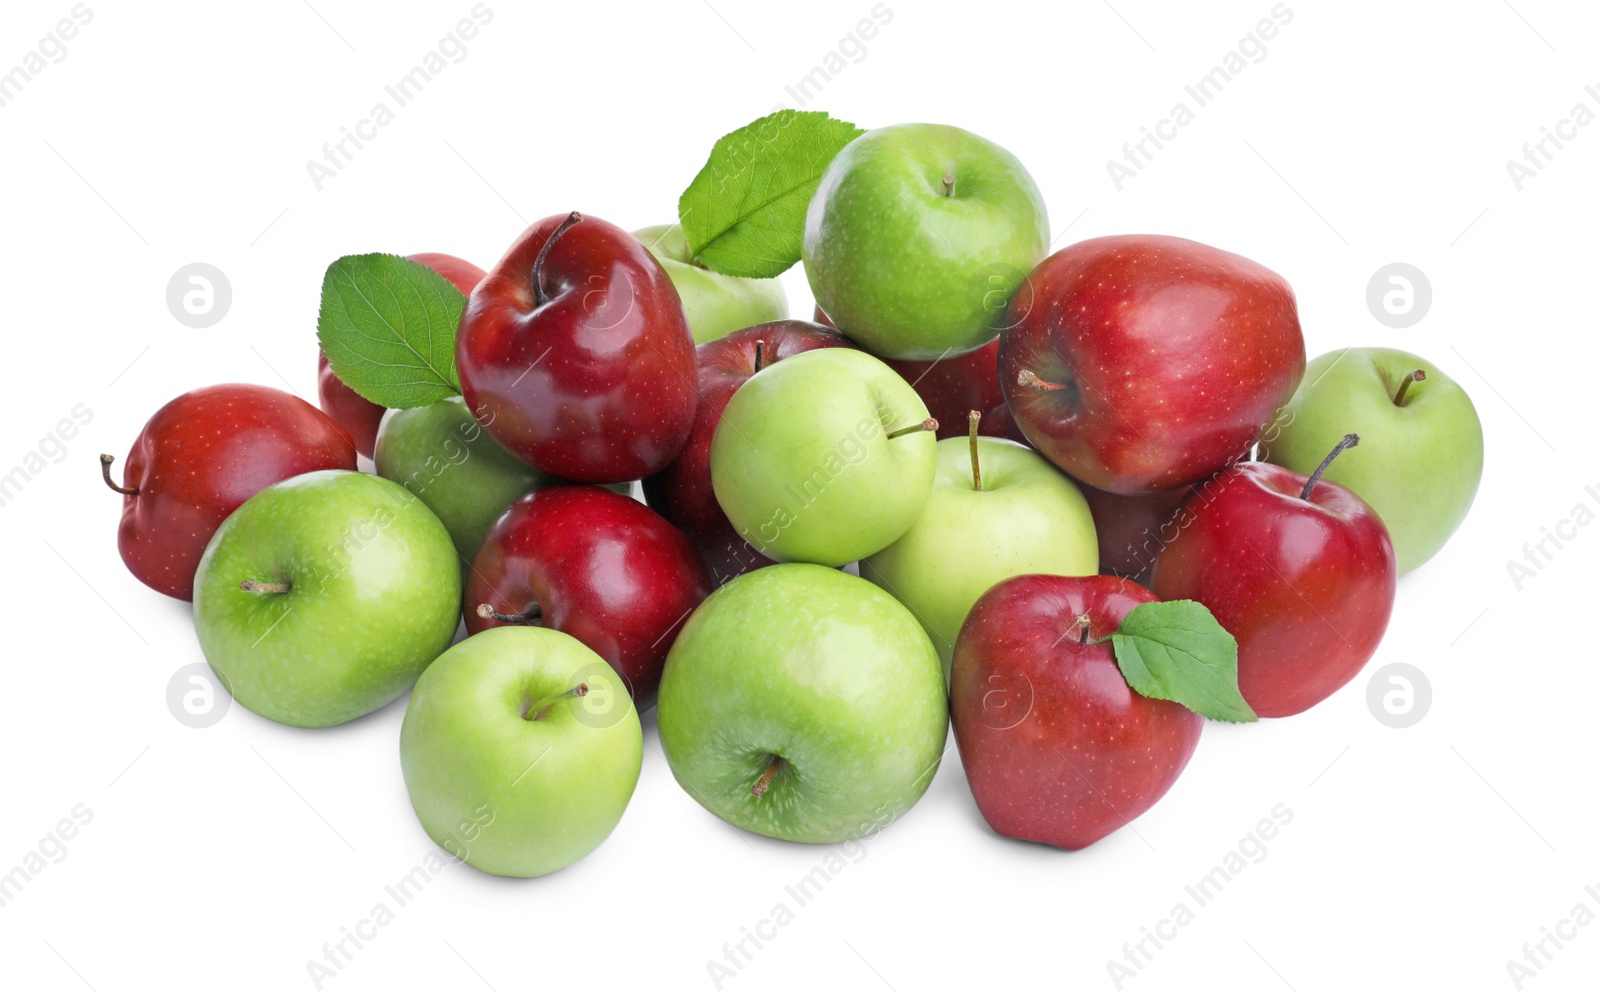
(354, 412)
(576, 354)
(201, 456)
(1140, 363)
(1132, 528)
(1056, 746)
(1302, 573)
(594, 564)
(682, 491)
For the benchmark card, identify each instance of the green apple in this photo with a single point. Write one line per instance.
(445, 458)
(324, 596)
(918, 236)
(715, 304)
(803, 703)
(1026, 518)
(1421, 452)
(825, 457)
(520, 750)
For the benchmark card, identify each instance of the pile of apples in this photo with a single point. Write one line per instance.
(951, 499)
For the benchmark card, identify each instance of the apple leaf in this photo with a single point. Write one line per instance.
(745, 211)
(1175, 650)
(388, 327)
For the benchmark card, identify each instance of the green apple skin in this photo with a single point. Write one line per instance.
(715, 304)
(374, 596)
(442, 455)
(906, 269)
(803, 465)
(508, 795)
(1418, 464)
(825, 672)
(1028, 518)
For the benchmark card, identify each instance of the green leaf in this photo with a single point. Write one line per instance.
(1177, 651)
(388, 327)
(745, 211)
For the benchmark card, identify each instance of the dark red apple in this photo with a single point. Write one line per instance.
(1139, 363)
(354, 412)
(1132, 528)
(594, 564)
(1302, 573)
(682, 491)
(1056, 746)
(576, 355)
(201, 456)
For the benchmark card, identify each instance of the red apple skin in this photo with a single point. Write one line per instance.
(602, 567)
(1132, 528)
(1306, 587)
(1173, 354)
(354, 412)
(597, 383)
(202, 455)
(1056, 746)
(682, 491)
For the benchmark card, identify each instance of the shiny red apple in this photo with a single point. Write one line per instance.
(354, 412)
(594, 564)
(1139, 363)
(575, 353)
(1056, 746)
(202, 455)
(682, 491)
(1302, 573)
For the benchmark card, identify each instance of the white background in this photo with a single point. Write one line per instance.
(1371, 133)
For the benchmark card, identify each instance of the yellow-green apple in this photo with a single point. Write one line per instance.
(715, 304)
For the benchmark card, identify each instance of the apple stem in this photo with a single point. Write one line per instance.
(928, 425)
(105, 473)
(1417, 376)
(948, 186)
(540, 297)
(1083, 629)
(1348, 441)
(973, 417)
(250, 586)
(1027, 378)
(761, 353)
(538, 710)
(766, 777)
(530, 616)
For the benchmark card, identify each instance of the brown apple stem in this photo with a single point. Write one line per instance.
(1083, 629)
(973, 417)
(766, 777)
(761, 353)
(105, 473)
(532, 615)
(948, 186)
(538, 710)
(928, 425)
(1027, 378)
(540, 297)
(1348, 441)
(251, 586)
(1416, 376)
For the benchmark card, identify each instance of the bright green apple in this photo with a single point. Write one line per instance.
(918, 236)
(324, 596)
(520, 750)
(444, 457)
(1421, 452)
(715, 304)
(1026, 518)
(824, 457)
(803, 703)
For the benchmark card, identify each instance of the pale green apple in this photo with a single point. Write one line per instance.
(917, 238)
(324, 596)
(1027, 518)
(803, 703)
(824, 457)
(520, 750)
(715, 304)
(1419, 461)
